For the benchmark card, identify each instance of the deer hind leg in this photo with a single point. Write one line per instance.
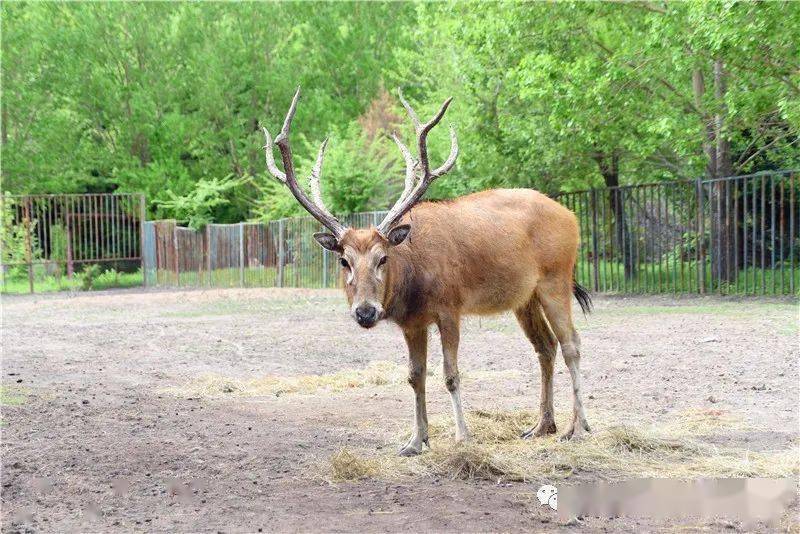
(417, 341)
(532, 321)
(556, 299)
(449, 328)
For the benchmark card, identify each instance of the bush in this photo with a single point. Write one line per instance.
(90, 272)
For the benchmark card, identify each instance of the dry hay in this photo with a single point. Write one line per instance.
(615, 452)
(346, 465)
(377, 373)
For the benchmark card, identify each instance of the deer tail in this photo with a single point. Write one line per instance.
(582, 296)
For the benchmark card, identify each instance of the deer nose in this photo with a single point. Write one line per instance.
(366, 315)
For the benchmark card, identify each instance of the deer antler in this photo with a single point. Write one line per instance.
(315, 206)
(416, 185)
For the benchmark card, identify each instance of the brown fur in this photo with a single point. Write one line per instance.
(484, 253)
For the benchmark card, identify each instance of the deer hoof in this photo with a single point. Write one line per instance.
(413, 447)
(541, 429)
(576, 432)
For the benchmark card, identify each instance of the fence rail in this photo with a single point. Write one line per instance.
(49, 236)
(735, 235)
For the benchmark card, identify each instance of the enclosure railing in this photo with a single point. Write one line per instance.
(734, 235)
(48, 238)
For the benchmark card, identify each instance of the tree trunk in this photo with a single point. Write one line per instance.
(699, 87)
(723, 266)
(609, 169)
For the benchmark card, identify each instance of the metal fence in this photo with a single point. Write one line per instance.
(731, 236)
(734, 235)
(47, 237)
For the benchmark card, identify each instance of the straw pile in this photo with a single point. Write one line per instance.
(615, 452)
(375, 374)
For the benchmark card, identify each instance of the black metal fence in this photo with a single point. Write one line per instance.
(47, 239)
(730, 236)
(734, 235)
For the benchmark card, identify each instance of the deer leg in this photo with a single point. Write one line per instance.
(417, 341)
(538, 332)
(557, 305)
(449, 328)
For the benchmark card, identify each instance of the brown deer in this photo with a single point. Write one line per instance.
(434, 262)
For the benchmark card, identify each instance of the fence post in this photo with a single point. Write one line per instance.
(175, 254)
(67, 205)
(701, 260)
(241, 254)
(28, 246)
(595, 259)
(281, 253)
(207, 245)
(141, 238)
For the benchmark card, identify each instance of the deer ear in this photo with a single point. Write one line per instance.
(328, 241)
(398, 234)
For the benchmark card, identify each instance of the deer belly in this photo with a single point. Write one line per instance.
(495, 294)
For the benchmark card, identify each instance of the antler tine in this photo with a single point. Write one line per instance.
(411, 113)
(411, 175)
(451, 159)
(412, 196)
(314, 180)
(422, 137)
(273, 169)
(315, 207)
(283, 137)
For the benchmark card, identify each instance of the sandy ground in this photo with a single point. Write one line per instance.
(95, 437)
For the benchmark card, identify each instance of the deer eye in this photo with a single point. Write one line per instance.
(344, 262)
(382, 260)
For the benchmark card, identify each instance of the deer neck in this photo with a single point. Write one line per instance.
(406, 293)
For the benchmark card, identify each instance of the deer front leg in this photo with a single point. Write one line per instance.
(449, 328)
(417, 341)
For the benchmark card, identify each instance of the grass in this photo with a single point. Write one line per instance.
(306, 276)
(47, 284)
(11, 396)
(682, 277)
(613, 452)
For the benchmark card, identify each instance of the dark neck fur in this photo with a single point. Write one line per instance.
(406, 289)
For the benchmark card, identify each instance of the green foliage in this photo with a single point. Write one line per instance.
(58, 246)
(13, 240)
(169, 99)
(199, 206)
(88, 275)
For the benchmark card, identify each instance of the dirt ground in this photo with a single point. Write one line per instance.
(97, 436)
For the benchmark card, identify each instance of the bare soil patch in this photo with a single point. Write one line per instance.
(230, 410)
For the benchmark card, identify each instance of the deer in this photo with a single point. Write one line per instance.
(432, 263)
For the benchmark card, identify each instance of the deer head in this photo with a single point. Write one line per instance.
(365, 254)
